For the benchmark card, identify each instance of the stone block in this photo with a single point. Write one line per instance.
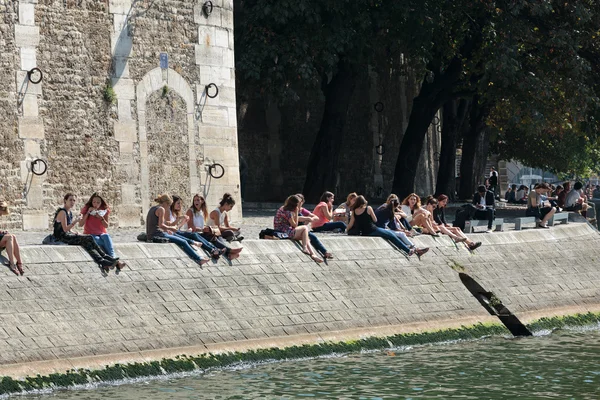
(129, 215)
(228, 58)
(125, 148)
(124, 109)
(160, 250)
(30, 106)
(35, 221)
(121, 44)
(26, 14)
(232, 117)
(209, 55)
(221, 37)
(32, 149)
(125, 131)
(206, 35)
(130, 251)
(227, 19)
(121, 66)
(218, 116)
(28, 58)
(27, 36)
(124, 88)
(67, 254)
(35, 194)
(119, 6)
(214, 19)
(128, 194)
(31, 128)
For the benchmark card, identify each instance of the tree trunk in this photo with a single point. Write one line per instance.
(453, 117)
(323, 160)
(470, 175)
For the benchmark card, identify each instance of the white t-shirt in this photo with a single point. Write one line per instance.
(572, 198)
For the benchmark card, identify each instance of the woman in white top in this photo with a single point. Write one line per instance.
(219, 219)
(411, 206)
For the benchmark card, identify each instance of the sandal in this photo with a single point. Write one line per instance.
(421, 251)
(13, 268)
(328, 255)
(20, 268)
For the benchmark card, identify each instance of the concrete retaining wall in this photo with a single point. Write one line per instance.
(65, 313)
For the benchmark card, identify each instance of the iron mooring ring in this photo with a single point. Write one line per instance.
(378, 106)
(211, 85)
(379, 149)
(44, 166)
(215, 167)
(207, 8)
(30, 74)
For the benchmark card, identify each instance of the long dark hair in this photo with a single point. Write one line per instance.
(172, 206)
(359, 202)
(227, 199)
(103, 204)
(326, 196)
(202, 209)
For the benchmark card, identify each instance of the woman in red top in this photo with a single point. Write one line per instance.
(324, 210)
(95, 221)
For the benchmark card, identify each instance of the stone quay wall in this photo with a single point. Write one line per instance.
(64, 313)
(107, 116)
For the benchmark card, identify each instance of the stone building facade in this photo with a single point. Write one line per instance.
(126, 106)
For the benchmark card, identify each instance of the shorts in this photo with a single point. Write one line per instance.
(576, 207)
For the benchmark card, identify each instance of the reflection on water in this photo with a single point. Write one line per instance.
(563, 365)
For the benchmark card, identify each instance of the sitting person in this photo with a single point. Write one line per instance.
(387, 219)
(511, 194)
(95, 221)
(596, 192)
(562, 196)
(63, 225)
(536, 207)
(484, 201)
(158, 227)
(521, 197)
(411, 205)
(178, 220)
(434, 228)
(347, 206)
(9, 242)
(220, 219)
(305, 217)
(364, 219)
(575, 201)
(324, 212)
(286, 221)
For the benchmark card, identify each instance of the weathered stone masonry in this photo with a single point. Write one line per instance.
(161, 116)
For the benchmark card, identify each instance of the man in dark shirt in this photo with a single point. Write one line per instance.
(493, 180)
(484, 201)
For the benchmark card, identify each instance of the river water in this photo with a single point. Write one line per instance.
(561, 365)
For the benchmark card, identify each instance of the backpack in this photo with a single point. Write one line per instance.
(272, 234)
(463, 214)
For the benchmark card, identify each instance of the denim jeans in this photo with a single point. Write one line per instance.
(402, 236)
(196, 237)
(105, 242)
(183, 243)
(330, 226)
(391, 236)
(316, 243)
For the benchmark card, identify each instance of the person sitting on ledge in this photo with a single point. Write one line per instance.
(364, 219)
(95, 221)
(63, 225)
(286, 221)
(9, 242)
(439, 216)
(197, 215)
(483, 200)
(158, 227)
(219, 218)
(387, 219)
(347, 206)
(411, 205)
(536, 207)
(324, 213)
(178, 220)
(511, 194)
(433, 228)
(576, 201)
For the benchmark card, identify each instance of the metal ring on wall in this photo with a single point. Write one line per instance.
(33, 71)
(379, 149)
(436, 119)
(34, 168)
(378, 106)
(211, 85)
(207, 8)
(212, 170)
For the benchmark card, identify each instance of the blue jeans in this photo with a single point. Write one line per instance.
(183, 243)
(316, 243)
(391, 236)
(330, 226)
(105, 242)
(196, 237)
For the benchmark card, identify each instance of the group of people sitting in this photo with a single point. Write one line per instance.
(394, 221)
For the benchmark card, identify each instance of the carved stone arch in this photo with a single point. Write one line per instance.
(153, 81)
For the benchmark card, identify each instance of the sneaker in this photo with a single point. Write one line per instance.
(489, 230)
(474, 246)
(421, 251)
